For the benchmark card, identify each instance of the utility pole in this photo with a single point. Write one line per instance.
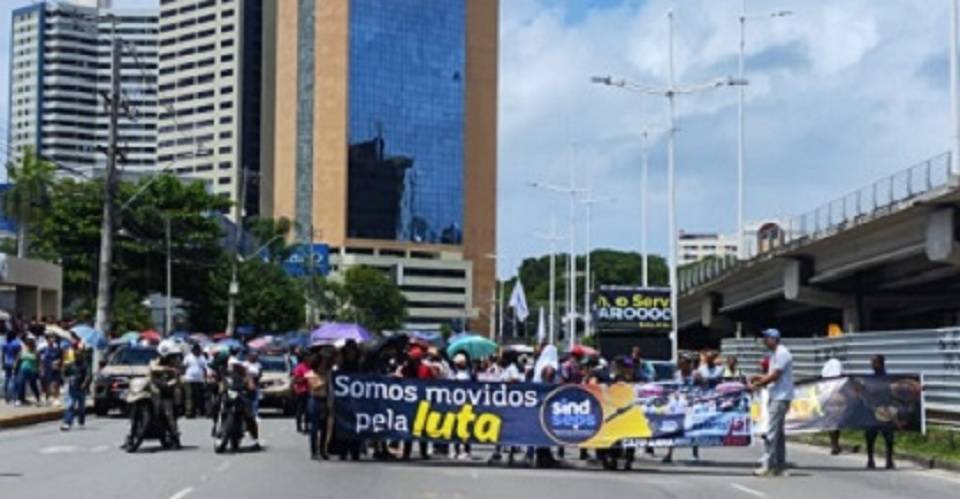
(553, 237)
(954, 89)
(102, 322)
(572, 290)
(168, 317)
(234, 283)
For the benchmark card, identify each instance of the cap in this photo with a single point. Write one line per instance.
(415, 353)
(771, 333)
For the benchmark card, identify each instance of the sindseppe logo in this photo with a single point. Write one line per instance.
(571, 415)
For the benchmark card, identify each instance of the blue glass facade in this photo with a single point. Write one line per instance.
(406, 119)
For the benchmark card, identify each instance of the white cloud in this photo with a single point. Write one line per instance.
(841, 93)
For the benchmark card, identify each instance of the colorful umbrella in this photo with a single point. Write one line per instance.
(200, 338)
(335, 331)
(260, 343)
(90, 336)
(476, 347)
(57, 331)
(130, 337)
(151, 336)
(230, 343)
(584, 351)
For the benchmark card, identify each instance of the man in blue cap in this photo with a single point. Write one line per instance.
(779, 379)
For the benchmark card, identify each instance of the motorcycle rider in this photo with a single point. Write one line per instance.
(164, 380)
(249, 372)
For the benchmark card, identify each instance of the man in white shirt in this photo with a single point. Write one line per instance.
(195, 378)
(779, 379)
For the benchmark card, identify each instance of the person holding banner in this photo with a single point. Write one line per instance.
(779, 378)
(879, 365)
(461, 372)
(317, 406)
(415, 368)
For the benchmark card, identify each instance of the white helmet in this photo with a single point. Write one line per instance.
(168, 347)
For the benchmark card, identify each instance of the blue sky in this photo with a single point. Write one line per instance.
(842, 93)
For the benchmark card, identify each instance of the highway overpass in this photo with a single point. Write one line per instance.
(884, 257)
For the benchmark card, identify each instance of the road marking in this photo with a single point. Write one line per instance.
(99, 448)
(223, 466)
(59, 449)
(748, 490)
(183, 493)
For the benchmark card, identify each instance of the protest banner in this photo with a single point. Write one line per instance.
(589, 416)
(853, 402)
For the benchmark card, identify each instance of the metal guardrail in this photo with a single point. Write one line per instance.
(883, 197)
(935, 353)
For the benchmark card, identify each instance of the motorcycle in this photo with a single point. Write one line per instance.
(230, 421)
(147, 422)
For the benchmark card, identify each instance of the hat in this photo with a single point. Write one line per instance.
(771, 333)
(460, 358)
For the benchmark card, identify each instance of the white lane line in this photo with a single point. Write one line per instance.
(59, 449)
(183, 493)
(100, 448)
(223, 466)
(748, 490)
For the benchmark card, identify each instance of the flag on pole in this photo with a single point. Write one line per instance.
(518, 302)
(541, 328)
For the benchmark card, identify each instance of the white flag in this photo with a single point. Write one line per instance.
(518, 301)
(541, 328)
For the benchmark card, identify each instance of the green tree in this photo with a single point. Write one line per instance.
(374, 300)
(328, 299)
(69, 233)
(32, 178)
(271, 236)
(268, 299)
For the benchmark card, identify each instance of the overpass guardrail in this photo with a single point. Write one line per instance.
(935, 353)
(887, 195)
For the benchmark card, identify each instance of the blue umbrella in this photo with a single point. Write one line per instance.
(90, 336)
(230, 343)
(476, 347)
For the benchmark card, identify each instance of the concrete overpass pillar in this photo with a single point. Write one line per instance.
(795, 288)
(709, 316)
(941, 238)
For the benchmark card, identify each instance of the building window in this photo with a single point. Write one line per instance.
(223, 180)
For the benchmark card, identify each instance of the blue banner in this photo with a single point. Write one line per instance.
(590, 416)
(298, 264)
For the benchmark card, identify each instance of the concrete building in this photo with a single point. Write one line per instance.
(209, 93)
(60, 67)
(379, 137)
(694, 246)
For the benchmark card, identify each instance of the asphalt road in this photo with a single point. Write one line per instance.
(42, 462)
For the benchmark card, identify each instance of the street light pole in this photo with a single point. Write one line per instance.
(741, 90)
(644, 255)
(954, 90)
(672, 188)
(168, 316)
(553, 237)
(572, 260)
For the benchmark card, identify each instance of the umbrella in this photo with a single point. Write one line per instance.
(429, 338)
(130, 337)
(58, 331)
(334, 331)
(297, 339)
(230, 343)
(90, 336)
(200, 338)
(260, 343)
(518, 348)
(183, 335)
(476, 347)
(151, 336)
(584, 351)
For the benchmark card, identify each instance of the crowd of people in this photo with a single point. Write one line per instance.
(45, 364)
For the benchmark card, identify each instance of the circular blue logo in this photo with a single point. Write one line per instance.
(571, 415)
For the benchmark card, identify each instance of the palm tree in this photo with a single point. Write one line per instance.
(31, 179)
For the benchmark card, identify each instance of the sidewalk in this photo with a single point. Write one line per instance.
(12, 417)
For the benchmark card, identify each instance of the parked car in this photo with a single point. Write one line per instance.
(113, 381)
(275, 383)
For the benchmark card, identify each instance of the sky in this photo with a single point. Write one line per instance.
(841, 93)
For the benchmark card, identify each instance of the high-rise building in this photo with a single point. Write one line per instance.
(60, 73)
(696, 246)
(210, 93)
(380, 139)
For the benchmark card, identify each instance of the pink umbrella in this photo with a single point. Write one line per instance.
(260, 343)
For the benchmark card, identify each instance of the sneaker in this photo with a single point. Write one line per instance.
(871, 465)
(764, 473)
(64, 427)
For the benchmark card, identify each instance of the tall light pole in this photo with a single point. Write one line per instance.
(572, 191)
(553, 237)
(588, 203)
(741, 89)
(168, 311)
(954, 90)
(671, 92)
(498, 301)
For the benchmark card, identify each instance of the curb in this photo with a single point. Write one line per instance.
(922, 461)
(20, 420)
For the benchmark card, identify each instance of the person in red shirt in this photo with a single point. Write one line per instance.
(301, 392)
(415, 368)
